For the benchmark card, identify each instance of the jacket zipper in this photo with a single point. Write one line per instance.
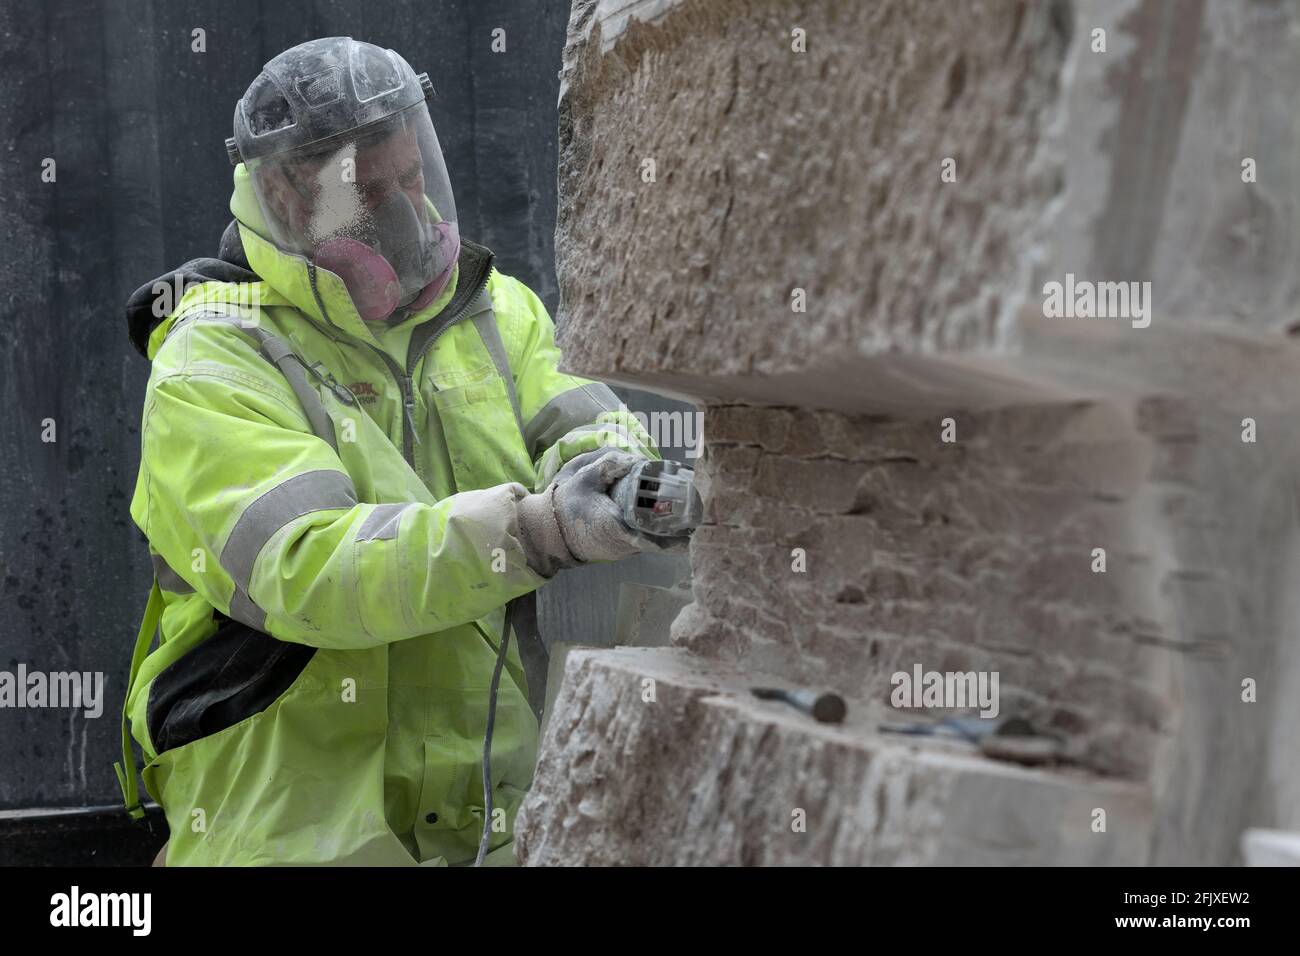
(404, 379)
(406, 382)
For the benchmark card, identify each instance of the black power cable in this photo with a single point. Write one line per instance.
(487, 735)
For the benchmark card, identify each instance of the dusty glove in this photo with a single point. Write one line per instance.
(613, 429)
(644, 542)
(574, 520)
(574, 465)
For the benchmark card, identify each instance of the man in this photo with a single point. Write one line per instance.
(356, 451)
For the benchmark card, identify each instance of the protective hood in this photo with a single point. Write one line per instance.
(155, 302)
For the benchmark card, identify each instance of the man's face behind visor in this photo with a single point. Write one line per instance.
(359, 206)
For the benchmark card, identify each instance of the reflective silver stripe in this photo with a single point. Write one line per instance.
(283, 358)
(294, 370)
(303, 494)
(486, 323)
(381, 524)
(565, 412)
(243, 609)
(168, 579)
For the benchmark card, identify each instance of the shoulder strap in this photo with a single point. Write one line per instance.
(486, 323)
(294, 369)
(127, 771)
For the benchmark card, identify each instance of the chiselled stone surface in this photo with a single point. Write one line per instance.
(820, 171)
(970, 555)
(706, 774)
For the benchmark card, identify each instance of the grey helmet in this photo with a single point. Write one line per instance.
(336, 136)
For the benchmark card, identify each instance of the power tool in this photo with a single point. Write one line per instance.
(658, 499)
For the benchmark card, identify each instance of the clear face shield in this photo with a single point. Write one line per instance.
(372, 205)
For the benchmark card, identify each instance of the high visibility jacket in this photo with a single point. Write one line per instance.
(331, 512)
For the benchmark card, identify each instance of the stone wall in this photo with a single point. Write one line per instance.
(1157, 129)
(776, 171)
(922, 469)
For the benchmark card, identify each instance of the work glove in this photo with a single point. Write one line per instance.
(644, 541)
(574, 465)
(575, 521)
(612, 429)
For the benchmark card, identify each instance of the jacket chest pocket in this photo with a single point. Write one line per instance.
(482, 433)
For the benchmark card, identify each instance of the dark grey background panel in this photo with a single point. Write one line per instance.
(135, 121)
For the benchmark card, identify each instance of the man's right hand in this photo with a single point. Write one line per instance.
(577, 463)
(575, 521)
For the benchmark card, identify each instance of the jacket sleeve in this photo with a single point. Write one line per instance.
(563, 415)
(256, 513)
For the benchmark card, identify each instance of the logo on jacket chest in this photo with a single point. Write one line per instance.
(367, 393)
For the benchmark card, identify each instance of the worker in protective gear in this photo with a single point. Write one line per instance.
(356, 451)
